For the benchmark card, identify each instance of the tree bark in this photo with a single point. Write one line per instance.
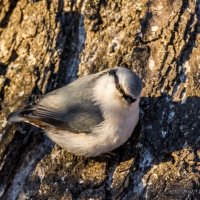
(47, 44)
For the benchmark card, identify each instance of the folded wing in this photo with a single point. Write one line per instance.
(71, 108)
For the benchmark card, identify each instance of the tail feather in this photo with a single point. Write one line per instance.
(20, 115)
(15, 117)
(39, 116)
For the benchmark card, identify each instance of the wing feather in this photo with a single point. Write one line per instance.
(71, 108)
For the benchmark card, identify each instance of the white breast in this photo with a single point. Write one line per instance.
(120, 121)
(120, 118)
(108, 136)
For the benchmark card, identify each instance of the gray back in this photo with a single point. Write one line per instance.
(71, 107)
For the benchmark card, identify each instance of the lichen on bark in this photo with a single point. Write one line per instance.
(47, 44)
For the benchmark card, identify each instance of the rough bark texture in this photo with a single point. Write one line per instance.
(46, 44)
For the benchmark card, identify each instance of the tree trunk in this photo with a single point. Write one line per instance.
(47, 44)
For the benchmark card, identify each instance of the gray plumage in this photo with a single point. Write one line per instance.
(103, 107)
(130, 81)
(66, 108)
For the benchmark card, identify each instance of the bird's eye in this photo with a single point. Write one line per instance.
(129, 99)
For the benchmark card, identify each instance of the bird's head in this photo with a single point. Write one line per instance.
(128, 84)
(118, 88)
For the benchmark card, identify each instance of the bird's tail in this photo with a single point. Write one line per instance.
(26, 115)
(15, 117)
(20, 115)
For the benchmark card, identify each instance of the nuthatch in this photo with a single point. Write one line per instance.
(90, 116)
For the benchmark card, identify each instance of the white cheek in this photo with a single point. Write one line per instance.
(105, 95)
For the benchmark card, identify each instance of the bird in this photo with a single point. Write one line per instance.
(90, 116)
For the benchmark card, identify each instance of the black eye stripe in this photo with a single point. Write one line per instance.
(117, 85)
(127, 97)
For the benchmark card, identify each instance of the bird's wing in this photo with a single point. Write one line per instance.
(70, 108)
